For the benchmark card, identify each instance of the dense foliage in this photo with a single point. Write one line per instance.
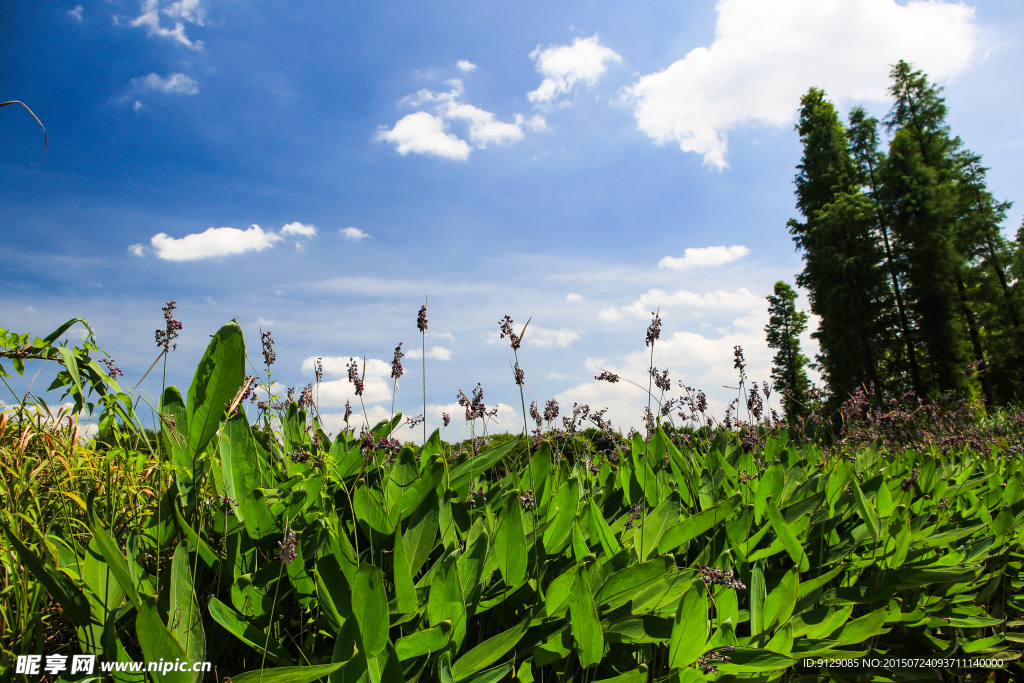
(726, 552)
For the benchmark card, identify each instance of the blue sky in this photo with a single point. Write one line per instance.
(317, 169)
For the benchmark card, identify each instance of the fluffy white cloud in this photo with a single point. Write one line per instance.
(76, 13)
(424, 133)
(435, 352)
(465, 66)
(539, 336)
(181, 12)
(212, 243)
(767, 53)
(741, 299)
(176, 84)
(573, 297)
(704, 256)
(297, 228)
(428, 130)
(563, 66)
(137, 249)
(354, 234)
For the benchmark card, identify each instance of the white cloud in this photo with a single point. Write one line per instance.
(424, 133)
(354, 234)
(212, 243)
(297, 228)
(76, 13)
(767, 53)
(435, 352)
(428, 129)
(535, 123)
(137, 106)
(180, 13)
(177, 84)
(563, 66)
(137, 249)
(539, 336)
(704, 256)
(465, 66)
(573, 297)
(655, 298)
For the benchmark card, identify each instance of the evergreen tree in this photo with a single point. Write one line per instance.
(789, 373)
(842, 259)
(919, 194)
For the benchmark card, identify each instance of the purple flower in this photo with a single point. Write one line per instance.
(396, 362)
(421, 319)
(506, 331)
(353, 375)
(269, 356)
(446, 418)
(112, 368)
(520, 375)
(606, 376)
(172, 327)
(318, 368)
(654, 330)
(286, 548)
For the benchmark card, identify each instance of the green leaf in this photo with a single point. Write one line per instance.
(510, 541)
(420, 535)
(471, 563)
(562, 515)
(867, 511)
(770, 485)
(405, 589)
(70, 361)
(239, 462)
(186, 621)
(489, 651)
(460, 476)
(115, 560)
(233, 622)
(752, 659)
(629, 582)
(287, 674)
(786, 535)
(757, 597)
(658, 521)
(370, 605)
(423, 642)
(175, 439)
(697, 524)
(586, 626)
(218, 378)
(779, 604)
(445, 601)
(157, 643)
(599, 528)
(859, 630)
(690, 628)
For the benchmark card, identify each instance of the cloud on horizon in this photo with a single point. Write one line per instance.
(704, 256)
(217, 242)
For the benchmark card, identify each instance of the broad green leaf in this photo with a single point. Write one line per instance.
(510, 541)
(489, 651)
(239, 463)
(420, 534)
(370, 605)
(867, 511)
(782, 640)
(690, 628)
(218, 378)
(635, 676)
(233, 622)
(786, 535)
(769, 485)
(697, 524)
(757, 597)
(779, 604)
(405, 589)
(562, 515)
(445, 601)
(557, 594)
(599, 528)
(627, 583)
(471, 563)
(174, 430)
(332, 587)
(186, 621)
(287, 674)
(860, 629)
(752, 659)
(157, 643)
(460, 476)
(662, 518)
(423, 642)
(586, 626)
(115, 561)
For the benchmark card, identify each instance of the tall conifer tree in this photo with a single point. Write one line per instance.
(789, 367)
